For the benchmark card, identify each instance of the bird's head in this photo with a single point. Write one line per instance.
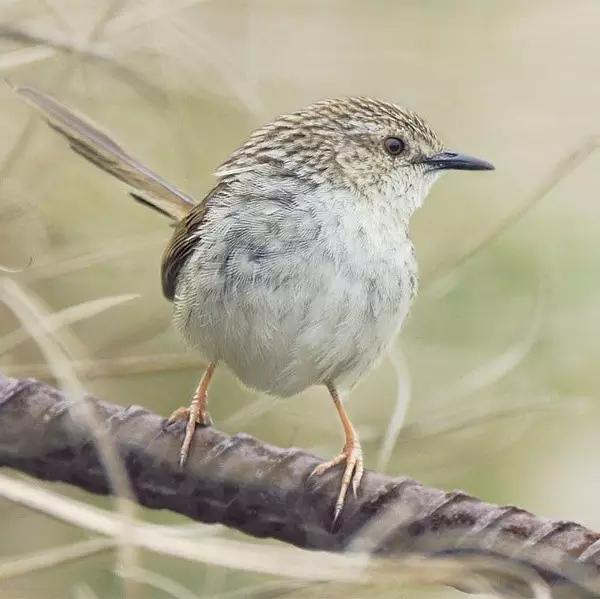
(372, 148)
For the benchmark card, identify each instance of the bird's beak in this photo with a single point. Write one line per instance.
(454, 160)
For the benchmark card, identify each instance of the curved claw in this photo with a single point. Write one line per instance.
(353, 472)
(179, 414)
(195, 414)
(193, 418)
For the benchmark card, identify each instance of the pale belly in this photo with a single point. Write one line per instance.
(287, 308)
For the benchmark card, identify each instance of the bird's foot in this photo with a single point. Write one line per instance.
(194, 416)
(352, 455)
(183, 413)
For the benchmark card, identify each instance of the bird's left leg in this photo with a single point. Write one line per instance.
(351, 454)
(197, 413)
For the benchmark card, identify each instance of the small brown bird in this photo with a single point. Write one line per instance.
(297, 269)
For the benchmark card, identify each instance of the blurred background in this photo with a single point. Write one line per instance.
(492, 386)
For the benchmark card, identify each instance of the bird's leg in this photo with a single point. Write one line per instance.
(351, 454)
(197, 413)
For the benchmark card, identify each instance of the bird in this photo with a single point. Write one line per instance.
(297, 269)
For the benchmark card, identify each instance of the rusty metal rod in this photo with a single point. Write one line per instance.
(263, 490)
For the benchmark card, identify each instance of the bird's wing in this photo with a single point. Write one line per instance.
(97, 147)
(185, 239)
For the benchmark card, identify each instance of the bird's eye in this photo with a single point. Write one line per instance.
(394, 145)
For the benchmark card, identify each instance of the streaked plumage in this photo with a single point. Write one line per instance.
(297, 268)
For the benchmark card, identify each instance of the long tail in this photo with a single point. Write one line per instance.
(97, 147)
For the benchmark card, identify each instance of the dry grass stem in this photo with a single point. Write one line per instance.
(77, 258)
(65, 318)
(565, 167)
(51, 558)
(33, 317)
(398, 416)
(160, 582)
(276, 560)
(24, 56)
(112, 367)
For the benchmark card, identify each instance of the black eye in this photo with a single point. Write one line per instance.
(394, 145)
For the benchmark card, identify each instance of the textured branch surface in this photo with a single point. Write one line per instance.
(263, 490)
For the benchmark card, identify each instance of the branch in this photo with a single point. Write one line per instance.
(263, 491)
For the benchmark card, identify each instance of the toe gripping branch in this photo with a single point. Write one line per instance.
(264, 491)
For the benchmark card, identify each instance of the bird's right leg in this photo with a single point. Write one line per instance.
(196, 413)
(351, 456)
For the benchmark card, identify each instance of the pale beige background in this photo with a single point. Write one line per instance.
(501, 352)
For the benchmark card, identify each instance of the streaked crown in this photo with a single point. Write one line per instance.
(341, 141)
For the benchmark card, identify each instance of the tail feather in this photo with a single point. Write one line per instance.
(97, 147)
(142, 200)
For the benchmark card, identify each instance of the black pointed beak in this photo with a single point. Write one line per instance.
(454, 160)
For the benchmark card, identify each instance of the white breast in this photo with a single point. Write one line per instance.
(290, 295)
